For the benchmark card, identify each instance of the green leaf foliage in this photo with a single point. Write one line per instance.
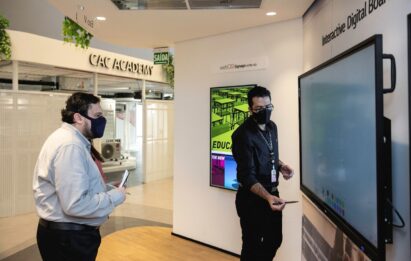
(5, 43)
(73, 33)
(169, 68)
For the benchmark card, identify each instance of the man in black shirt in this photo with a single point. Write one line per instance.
(255, 149)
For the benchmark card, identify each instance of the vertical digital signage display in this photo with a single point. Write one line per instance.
(228, 110)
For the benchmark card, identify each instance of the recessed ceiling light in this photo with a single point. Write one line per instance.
(270, 13)
(100, 18)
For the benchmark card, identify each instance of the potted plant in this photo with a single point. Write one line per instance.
(5, 43)
(74, 33)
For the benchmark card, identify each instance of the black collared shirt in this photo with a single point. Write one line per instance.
(252, 155)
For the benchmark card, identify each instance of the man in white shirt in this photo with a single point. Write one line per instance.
(70, 194)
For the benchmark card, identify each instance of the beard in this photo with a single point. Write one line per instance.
(87, 131)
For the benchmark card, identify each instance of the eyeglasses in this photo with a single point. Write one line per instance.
(269, 107)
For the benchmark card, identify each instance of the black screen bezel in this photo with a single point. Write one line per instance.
(375, 253)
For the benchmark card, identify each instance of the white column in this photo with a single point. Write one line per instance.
(95, 84)
(15, 80)
(144, 130)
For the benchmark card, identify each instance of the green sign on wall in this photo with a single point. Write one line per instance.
(161, 55)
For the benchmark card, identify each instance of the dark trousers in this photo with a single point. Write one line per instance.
(261, 227)
(68, 245)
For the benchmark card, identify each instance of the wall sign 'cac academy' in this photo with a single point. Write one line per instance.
(98, 60)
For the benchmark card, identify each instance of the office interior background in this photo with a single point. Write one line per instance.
(165, 134)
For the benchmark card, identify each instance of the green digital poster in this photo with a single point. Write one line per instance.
(228, 110)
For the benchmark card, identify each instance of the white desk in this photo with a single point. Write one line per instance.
(121, 165)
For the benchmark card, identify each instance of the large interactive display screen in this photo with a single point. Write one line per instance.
(341, 117)
(228, 109)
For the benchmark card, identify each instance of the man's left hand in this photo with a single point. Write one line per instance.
(287, 171)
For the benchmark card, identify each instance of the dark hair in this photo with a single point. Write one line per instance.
(257, 91)
(78, 102)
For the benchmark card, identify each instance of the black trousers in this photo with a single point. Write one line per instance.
(261, 227)
(68, 245)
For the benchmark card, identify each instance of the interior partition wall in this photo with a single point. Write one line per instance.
(26, 120)
(159, 142)
(204, 213)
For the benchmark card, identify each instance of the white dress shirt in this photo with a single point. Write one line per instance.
(67, 184)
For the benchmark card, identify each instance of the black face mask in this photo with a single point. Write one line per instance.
(263, 116)
(97, 126)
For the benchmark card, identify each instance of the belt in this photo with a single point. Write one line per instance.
(269, 189)
(65, 225)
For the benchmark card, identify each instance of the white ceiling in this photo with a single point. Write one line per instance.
(158, 28)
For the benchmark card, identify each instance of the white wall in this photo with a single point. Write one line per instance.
(205, 213)
(390, 20)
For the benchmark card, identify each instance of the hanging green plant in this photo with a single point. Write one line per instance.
(74, 33)
(169, 68)
(5, 43)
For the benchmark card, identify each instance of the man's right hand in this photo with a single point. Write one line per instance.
(276, 203)
(123, 191)
(259, 190)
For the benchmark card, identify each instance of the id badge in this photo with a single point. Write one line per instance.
(273, 175)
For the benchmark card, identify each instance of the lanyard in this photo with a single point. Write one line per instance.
(269, 143)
